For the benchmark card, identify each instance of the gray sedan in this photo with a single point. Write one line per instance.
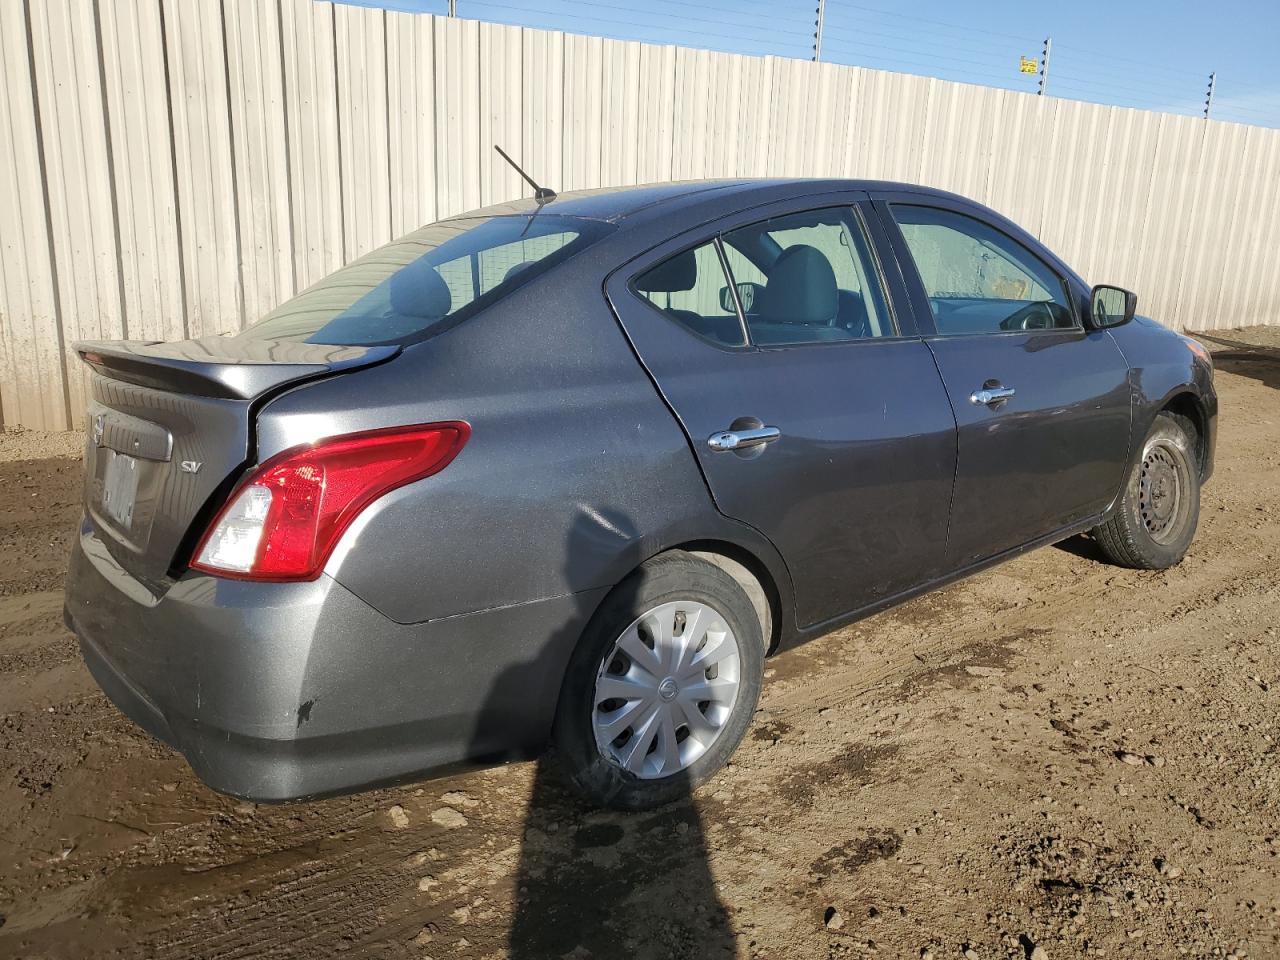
(565, 472)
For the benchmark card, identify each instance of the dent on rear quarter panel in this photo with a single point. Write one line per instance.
(574, 473)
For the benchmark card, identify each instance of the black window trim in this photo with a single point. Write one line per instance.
(885, 291)
(732, 282)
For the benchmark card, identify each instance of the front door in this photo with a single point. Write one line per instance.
(816, 413)
(1042, 405)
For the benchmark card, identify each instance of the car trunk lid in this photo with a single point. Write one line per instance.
(170, 426)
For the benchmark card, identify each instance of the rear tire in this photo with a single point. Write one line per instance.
(1155, 520)
(636, 730)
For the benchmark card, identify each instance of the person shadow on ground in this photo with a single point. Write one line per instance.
(606, 884)
(595, 883)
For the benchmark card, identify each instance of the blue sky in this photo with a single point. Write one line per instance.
(1154, 54)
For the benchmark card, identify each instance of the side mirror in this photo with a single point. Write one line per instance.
(747, 293)
(1111, 306)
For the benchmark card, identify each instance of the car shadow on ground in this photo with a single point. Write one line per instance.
(603, 883)
(1246, 359)
(1082, 545)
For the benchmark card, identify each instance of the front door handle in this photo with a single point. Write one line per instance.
(990, 396)
(742, 439)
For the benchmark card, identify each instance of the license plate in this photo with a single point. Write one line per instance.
(120, 487)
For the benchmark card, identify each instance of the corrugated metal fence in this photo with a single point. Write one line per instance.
(174, 168)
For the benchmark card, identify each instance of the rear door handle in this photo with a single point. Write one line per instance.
(990, 396)
(741, 439)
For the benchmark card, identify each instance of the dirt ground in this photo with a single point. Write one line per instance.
(1057, 758)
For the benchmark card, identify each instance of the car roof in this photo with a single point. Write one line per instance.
(608, 203)
(650, 213)
(617, 204)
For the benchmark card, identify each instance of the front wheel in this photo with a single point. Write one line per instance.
(662, 685)
(1155, 520)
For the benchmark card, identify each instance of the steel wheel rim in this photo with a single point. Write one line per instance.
(1163, 483)
(665, 689)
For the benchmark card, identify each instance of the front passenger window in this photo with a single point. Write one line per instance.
(979, 280)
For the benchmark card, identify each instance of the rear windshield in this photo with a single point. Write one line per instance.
(427, 280)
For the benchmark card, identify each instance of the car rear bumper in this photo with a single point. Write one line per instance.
(284, 691)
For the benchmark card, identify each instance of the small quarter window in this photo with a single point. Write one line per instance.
(691, 289)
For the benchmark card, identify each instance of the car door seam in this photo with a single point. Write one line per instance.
(689, 443)
(955, 445)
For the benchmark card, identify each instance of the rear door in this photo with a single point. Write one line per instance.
(1042, 404)
(814, 409)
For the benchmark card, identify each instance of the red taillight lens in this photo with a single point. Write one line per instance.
(285, 519)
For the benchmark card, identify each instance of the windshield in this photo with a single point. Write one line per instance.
(427, 280)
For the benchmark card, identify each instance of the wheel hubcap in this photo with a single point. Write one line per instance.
(666, 689)
(1160, 491)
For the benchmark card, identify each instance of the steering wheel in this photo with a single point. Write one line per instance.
(1034, 316)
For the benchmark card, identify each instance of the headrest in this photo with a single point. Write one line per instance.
(670, 276)
(518, 268)
(801, 288)
(418, 291)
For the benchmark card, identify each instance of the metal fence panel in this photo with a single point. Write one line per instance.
(32, 385)
(360, 41)
(260, 153)
(146, 196)
(501, 55)
(174, 168)
(198, 101)
(79, 195)
(314, 157)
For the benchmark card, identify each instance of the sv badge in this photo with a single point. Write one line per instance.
(190, 466)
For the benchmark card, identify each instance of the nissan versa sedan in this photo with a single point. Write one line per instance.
(564, 472)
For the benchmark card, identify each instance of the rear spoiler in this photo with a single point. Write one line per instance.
(227, 367)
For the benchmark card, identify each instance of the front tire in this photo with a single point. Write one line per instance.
(662, 685)
(1155, 520)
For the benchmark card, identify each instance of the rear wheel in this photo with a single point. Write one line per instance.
(1155, 520)
(662, 685)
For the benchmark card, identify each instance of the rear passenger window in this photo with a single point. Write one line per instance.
(690, 288)
(808, 278)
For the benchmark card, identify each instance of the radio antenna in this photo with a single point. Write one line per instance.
(541, 195)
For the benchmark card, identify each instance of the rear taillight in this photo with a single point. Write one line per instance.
(285, 519)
